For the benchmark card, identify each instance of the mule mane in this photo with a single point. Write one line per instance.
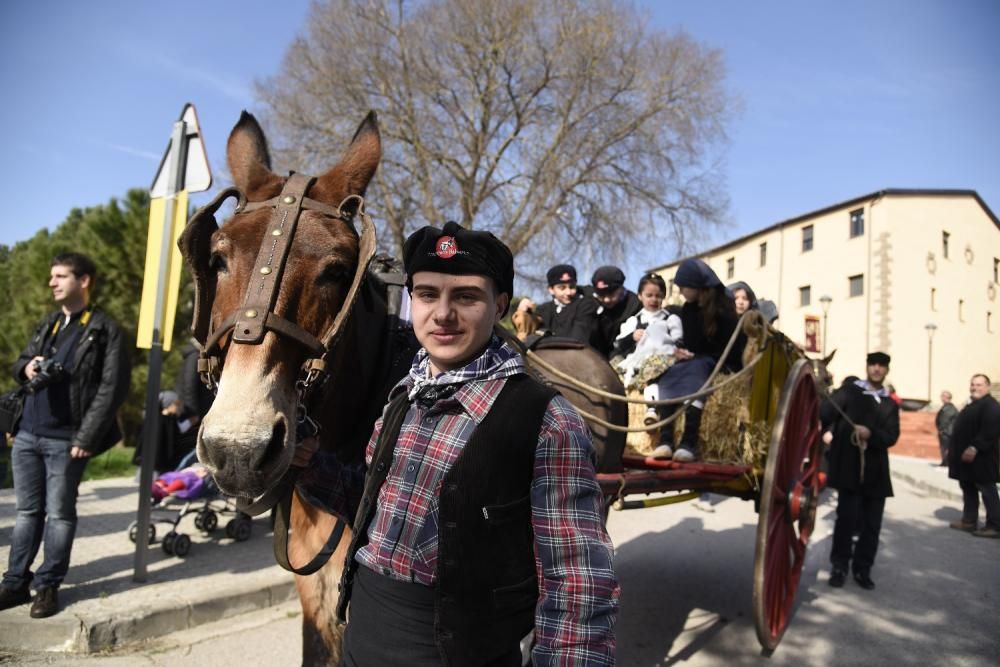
(375, 353)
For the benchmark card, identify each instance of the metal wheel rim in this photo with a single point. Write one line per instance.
(777, 570)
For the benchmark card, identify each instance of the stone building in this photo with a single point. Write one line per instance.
(913, 273)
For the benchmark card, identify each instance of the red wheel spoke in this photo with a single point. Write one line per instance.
(791, 482)
(798, 550)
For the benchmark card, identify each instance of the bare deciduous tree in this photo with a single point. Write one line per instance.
(559, 126)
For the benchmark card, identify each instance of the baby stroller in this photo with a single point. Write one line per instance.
(190, 490)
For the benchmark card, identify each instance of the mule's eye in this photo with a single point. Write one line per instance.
(333, 273)
(217, 263)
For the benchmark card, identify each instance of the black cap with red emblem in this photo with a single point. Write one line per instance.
(607, 279)
(561, 273)
(459, 251)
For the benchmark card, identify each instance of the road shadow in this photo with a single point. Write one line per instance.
(687, 597)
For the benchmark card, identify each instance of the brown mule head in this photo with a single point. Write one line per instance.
(247, 439)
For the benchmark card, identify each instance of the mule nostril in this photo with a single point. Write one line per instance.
(272, 452)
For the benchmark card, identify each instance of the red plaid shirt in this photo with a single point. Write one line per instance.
(578, 596)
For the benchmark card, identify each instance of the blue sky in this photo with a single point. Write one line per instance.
(839, 99)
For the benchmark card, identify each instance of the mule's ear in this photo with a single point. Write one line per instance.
(827, 359)
(247, 154)
(356, 168)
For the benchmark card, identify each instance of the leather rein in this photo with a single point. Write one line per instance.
(256, 316)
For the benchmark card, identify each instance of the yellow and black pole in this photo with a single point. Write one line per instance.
(161, 282)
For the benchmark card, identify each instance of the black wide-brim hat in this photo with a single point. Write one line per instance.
(459, 251)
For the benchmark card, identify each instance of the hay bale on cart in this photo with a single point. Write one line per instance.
(728, 434)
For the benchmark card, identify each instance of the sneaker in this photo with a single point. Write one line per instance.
(987, 532)
(964, 526)
(651, 417)
(12, 597)
(662, 452)
(684, 455)
(837, 578)
(703, 506)
(864, 580)
(46, 602)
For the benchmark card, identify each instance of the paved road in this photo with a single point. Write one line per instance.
(686, 577)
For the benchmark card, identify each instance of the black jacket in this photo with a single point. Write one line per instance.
(977, 425)
(101, 375)
(610, 320)
(696, 340)
(882, 419)
(577, 320)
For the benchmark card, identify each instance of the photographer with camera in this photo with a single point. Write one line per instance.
(74, 376)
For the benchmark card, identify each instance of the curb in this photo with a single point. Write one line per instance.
(109, 628)
(927, 488)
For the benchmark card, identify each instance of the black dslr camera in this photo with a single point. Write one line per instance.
(47, 372)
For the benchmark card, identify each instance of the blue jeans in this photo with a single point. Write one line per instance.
(46, 479)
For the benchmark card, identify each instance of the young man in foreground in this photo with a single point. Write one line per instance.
(480, 517)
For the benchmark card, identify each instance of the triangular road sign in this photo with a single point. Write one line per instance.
(197, 174)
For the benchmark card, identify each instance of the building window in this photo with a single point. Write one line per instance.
(670, 288)
(989, 321)
(933, 299)
(856, 285)
(996, 270)
(857, 222)
(730, 267)
(961, 310)
(944, 244)
(807, 238)
(805, 295)
(763, 259)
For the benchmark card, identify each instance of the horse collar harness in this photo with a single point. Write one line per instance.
(256, 315)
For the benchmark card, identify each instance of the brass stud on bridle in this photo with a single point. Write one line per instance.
(265, 270)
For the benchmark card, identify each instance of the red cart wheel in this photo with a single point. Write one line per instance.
(788, 501)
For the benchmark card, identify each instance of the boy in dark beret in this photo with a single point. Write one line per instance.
(568, 315)
(480, 518)
(615, 305)
(859, 467)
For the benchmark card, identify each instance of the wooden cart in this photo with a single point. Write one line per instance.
(784, 487)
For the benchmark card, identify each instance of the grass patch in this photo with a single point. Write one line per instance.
(116, 462)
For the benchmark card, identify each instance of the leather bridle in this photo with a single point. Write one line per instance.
(251, 321)
(256, 316)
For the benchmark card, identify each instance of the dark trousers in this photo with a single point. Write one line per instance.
(392, 623)
(861, 514)
(970, 504)
(46, 480)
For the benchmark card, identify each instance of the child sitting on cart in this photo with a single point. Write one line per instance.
(709, 320)
(647, 341)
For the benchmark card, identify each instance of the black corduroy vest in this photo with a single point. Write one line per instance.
(487, 586)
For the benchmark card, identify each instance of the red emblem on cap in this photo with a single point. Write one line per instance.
(565, 278)
(601, 284)
(446, 247)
